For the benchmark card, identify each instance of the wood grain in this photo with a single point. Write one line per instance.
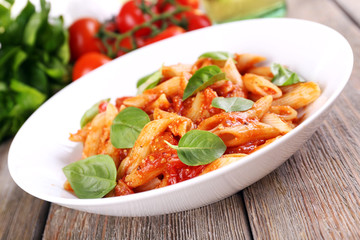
(316, 194)
(21, 215)
(352, 8)
(222, 220)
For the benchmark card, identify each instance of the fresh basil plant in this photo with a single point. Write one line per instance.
(198, 147)
(92, 177)
(203, 78)
(34, 62)
(127, 126)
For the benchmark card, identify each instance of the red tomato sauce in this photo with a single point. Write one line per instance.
(245, 148)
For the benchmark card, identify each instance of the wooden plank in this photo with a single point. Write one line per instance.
(352, 8)
(222, 220)
(21, 215)
(316, 194)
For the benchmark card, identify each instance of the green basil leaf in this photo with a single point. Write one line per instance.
(27, 98)
(13, 34)
(92, 177)
(284, 76)
(127, 126)
(148, 82)
(198, 147)
(18, 59)
(32, 28)
(5, 15)
(55, 69)
(91, 113)
(203, 78)
(234, 104)
(6, 54)
(216, 55)
(64, 51)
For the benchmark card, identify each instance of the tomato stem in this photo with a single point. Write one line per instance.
(108, 37)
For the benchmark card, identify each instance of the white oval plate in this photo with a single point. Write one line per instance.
(41, 148)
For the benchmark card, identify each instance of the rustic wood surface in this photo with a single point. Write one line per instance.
(21, 215)
(314, 195)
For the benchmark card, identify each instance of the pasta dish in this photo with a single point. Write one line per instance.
(186, 120)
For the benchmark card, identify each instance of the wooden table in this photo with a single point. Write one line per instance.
(314, 195)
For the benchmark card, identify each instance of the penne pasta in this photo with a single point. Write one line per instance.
(223, 161)
(275, 121)
(238, 135)
(246, 61)
(151, 130)
(299, 96)
(259, 85)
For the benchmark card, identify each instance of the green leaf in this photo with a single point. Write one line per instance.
(32, 28)
(63, 51)
(27, 98)
(92, 177)
(198, 147)
(283, 76)
(127, 126)
(91, 113)
(5, 15)
(234, 104)
(18, 59)
(148, 82)
(55, 69)
(55, 31)
(203, 78)
(216, 55)
(13, 34)
(6, 54)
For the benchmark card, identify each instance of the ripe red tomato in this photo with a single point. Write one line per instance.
(196, 19)
(169, 32)
(87, 63)
(163, 5)
(126, 43)
(189, 3)
(130, 15)
(82, 37)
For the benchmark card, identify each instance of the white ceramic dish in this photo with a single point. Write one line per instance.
(41, 148)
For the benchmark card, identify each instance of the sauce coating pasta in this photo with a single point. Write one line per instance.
(152, 163)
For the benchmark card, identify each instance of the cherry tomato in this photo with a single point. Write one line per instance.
(87, 63)
(110, 26)
(102, 106)
(130, 15)
(126, 44)
(189, 3)
(169, 32)
(82, 37)
(196, 19)
(164, 6)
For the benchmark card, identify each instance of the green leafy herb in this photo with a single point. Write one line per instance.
(234, 104)
(34, 62)
(216, 55)
(127, 126)
(148, 82)
(203, 78)
(283, 76)
(199, 147)
(91, 113)
(92, 177)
